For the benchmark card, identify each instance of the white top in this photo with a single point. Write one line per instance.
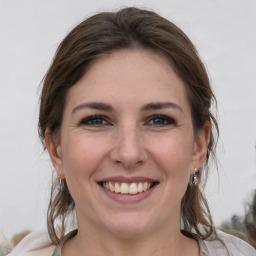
(226, 245)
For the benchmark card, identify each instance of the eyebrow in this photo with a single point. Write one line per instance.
(161, 105)
(93, 105)
(107, 107)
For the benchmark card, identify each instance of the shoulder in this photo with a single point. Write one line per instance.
(226, 245)
(35, 244)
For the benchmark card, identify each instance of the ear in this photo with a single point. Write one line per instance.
(202, 139)
(54, 150)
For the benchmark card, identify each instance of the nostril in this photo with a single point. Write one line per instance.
(127, 160)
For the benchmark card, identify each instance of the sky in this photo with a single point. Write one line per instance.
(224, 34)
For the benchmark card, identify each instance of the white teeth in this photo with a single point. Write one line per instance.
(145, 186)
(117, 188)
(140, 187)
(127, 188)
(133, 189)
(124, 188)
(111, 187)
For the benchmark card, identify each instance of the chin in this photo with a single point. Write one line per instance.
(129, 227)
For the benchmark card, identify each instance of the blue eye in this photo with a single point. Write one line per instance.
(161, 120)
(96, 120)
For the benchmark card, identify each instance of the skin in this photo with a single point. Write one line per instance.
(128, 139)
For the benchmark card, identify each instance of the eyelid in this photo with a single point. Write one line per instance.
(170, 120)
(87, 119)
(167, 120)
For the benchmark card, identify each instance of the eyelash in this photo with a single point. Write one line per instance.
(166, 120)
(89, 120)
(155, 120)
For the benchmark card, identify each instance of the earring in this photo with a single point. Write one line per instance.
(60, 182)
(193, 180)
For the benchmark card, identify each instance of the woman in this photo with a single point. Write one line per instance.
(125, 116)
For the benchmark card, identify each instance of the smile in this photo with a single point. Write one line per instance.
(131, 188)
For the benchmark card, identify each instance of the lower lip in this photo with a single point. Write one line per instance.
(128, 198)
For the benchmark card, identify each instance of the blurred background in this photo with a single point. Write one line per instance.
(30, 31)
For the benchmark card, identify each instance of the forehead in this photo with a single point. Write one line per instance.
(133, 75)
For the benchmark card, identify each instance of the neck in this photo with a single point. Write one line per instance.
(167, 241)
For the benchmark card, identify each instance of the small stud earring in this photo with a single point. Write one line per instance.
(60, 182)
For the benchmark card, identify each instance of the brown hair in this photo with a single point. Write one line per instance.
(106, 32)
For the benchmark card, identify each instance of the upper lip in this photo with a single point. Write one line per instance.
(127, 179)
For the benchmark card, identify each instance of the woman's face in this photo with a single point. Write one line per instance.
(127, 145)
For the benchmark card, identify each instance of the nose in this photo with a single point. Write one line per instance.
(128, 149)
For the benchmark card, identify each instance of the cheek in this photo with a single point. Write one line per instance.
(175, 157)
(81, 159)
(81, 156)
